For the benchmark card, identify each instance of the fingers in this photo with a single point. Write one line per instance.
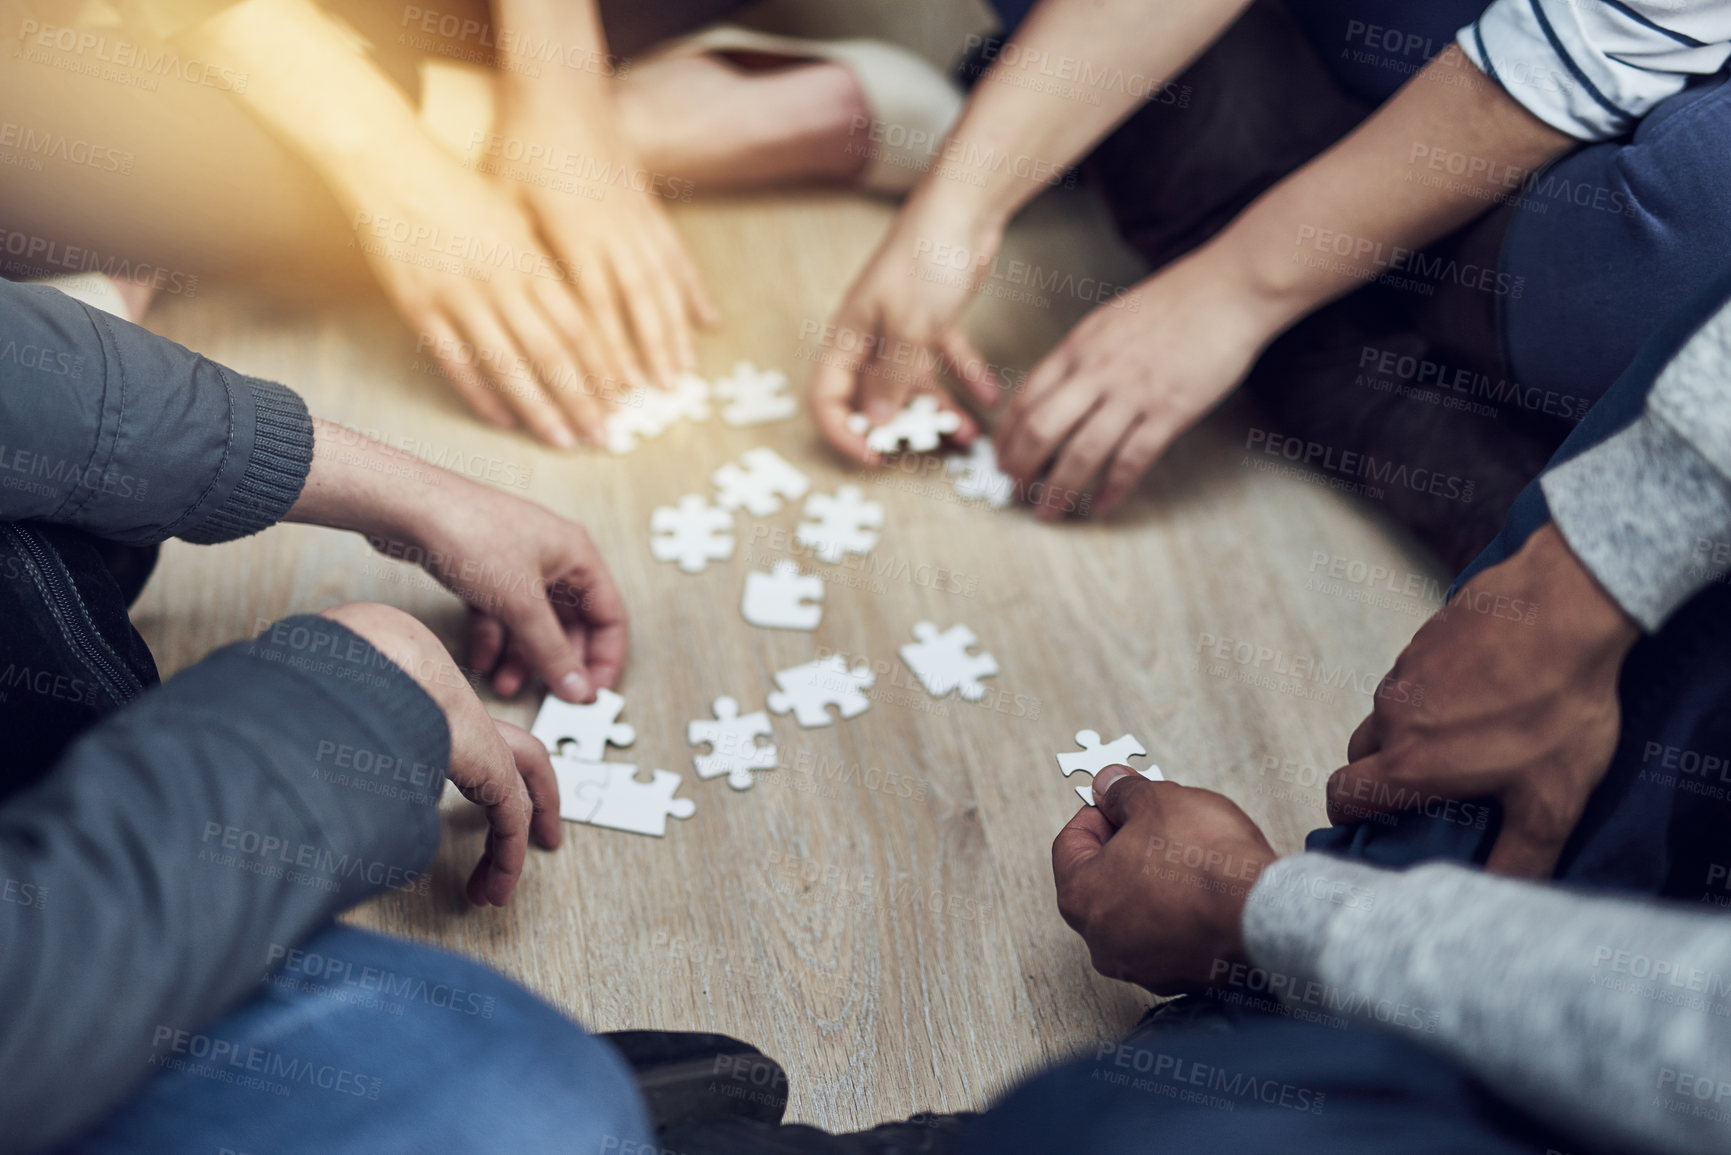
(601, 612)
(1522, 849)
(1141, 447)
(539, 780)
(1366, 739)
(1381, 783)
(465, 378)
(695, 294)
(640, 294)
(583, 398)
(663, 285)
(830, 397)
(1082, 459)
(1075, 851)
(1121, 794)
(509, 811)
(1029, 443)
(488, 335)
(486, 641)
(549, 651)
(595, 289)
(551, 365)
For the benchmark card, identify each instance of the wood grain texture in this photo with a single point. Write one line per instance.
(878, 911)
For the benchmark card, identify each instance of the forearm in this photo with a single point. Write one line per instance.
(219, 817)
(1596, 1012)
(1366, 208)
(1016, 110)
(313, 87)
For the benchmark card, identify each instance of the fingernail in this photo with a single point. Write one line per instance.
(575, 687)
(1108, 778)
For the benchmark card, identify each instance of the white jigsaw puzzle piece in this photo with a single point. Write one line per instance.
(1096, 755)
(921, 425)
(809, 690)
(588, 728)
(977, 477)
(733, 746)
(757, 396)
(577, 779)
(614, 798)
(693, 533)
(759, 483)
(942, 662)
(783, 599)
(846, 524)
(647, 412)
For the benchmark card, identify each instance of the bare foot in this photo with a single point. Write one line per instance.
(720, 124)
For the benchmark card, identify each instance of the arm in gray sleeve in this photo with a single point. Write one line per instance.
(1609, 1016)
(109, 428)
(1648, 510)
(189, 839)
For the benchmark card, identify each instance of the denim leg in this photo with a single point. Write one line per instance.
(1659, 821)
(365, 1044)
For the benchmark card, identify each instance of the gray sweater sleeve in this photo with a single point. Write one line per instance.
(1648, 511)
(184, 842)
(109, 428)
(1608, 1016)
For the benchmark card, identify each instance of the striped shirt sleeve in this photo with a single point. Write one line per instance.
(1594, 68)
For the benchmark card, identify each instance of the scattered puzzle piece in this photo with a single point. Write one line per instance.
(759, 484)
(809, 690)
(842, 525)
(609, 794)
(692, 533)
(733, 748)
(647, 412)
(977, 477)
(921, 425)
(783, 599)
(587, 728)
(1095, 756)
(942, 662)
(757, 396)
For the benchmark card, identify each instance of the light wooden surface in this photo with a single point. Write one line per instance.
(877, 912)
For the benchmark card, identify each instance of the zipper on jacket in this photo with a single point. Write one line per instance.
(74, 619)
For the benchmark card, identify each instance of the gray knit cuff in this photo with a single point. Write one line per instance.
(278, 459)
(1296, 905)
(1647, 515)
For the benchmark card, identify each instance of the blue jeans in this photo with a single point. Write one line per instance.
(1249, 1082)
(365, 1044)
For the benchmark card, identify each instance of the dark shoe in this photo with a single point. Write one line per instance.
(919, 1135)
(692, 1078)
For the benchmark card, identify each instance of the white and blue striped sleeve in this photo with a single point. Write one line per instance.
(1594, 68)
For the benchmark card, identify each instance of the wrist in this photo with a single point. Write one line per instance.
(1568, 594)
(359, 484)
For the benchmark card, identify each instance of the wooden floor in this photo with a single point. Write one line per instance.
(878, 911)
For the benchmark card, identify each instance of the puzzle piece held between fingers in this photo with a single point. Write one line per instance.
(757, 396)
(760, 483)
(693, 533)
(921, 425)
(942, 662)
(842, 525)
(783, 599)
(809, 690)
(733, 747)
(976, 475)
(609, 794)
(587, 728)
(1096, 755)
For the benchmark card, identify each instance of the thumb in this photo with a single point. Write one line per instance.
(1121, 794)
(550, 651)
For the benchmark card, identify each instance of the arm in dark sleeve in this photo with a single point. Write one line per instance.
(231, 810)
(109, 428)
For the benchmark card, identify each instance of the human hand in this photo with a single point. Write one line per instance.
(1513, 696)
(1134, 374)
(501, 315)
(631, 270)
(496, 765)
(900, 324)
(541, 599)
(1155, 877)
